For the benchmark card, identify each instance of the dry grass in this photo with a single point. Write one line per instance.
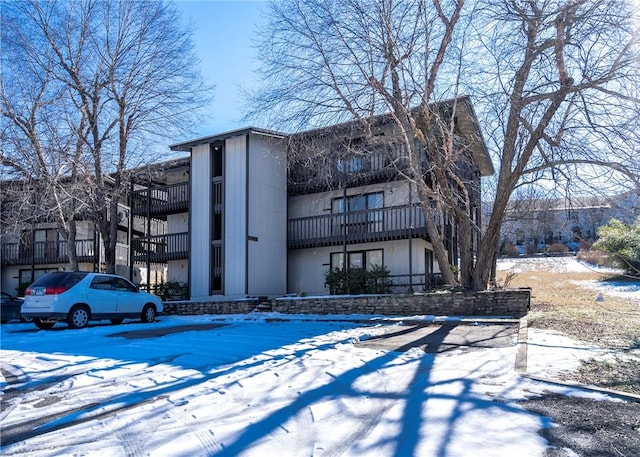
(561, 301)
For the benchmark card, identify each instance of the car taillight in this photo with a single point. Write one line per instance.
(54, 290)
(46, 290)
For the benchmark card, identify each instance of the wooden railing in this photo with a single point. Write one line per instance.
(375, 166)
(45, 252)
(417, 282)
(162, 200)
(161, 248)
(396, 222)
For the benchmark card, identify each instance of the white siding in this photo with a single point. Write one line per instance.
(178, 223)
(235, 225)
(396, 193)
(267, 225)
(308, 267)
(178, 270)
(200, 220)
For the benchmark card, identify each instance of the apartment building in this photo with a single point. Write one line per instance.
(262, 224)
(239, 217)
(354, 208)
(532, 225)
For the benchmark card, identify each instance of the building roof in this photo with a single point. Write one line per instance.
(466, 119)
(188, 145)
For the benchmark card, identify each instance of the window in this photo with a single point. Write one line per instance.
(350, 165)
(365, 218)
(25, 275)
(216, 160)
(45, 243)
(101, 283)
(357, 259)
(122, 285)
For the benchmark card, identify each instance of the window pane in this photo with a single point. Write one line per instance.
(337, 205)
(357, 203)
(337, 260)
(374, 258)
(355, 260)
(375, 200)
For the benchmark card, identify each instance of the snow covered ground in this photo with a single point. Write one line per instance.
(268, 385)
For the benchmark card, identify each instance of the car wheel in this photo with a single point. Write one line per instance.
(78, 317)
(43, 325)
(26, 319)
(116, 321)
(148, 314)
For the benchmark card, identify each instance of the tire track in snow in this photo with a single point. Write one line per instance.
(204, 434)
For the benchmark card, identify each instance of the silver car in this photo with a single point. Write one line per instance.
(79, 297)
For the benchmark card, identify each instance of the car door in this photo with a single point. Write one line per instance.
(101, 296)
(128, 298)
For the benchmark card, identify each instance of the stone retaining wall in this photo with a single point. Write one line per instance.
(513, 303)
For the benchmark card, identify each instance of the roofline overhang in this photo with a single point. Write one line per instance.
(467, 121)
(186, 146)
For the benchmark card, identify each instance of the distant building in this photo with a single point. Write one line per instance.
(536, 224)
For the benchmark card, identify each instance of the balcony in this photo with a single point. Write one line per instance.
(393, 223)
(45, 252)
(161, 248)
(165, 200)
(381, 164)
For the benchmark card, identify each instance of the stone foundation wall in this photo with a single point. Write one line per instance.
(513, 303)
(210, 307)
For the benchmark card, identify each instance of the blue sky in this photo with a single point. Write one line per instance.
(223, 33)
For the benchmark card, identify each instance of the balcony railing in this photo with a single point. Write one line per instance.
(360, 170)
(392, 223)
(170, 199)
(161, 248)
(45, 252)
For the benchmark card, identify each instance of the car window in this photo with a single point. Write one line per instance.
(72, 279)
(123, 285)
(101, 282)
(66, 279)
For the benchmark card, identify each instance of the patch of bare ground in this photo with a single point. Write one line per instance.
(589, 428)
(565, 302)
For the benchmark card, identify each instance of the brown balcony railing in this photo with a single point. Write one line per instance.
(392, 223)
(45, 252)
(378, 165)
(161, 248)
(162, 200)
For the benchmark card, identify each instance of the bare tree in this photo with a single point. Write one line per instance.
(40, 151)
(536, 68)
(129, 71)
(325, 62)
(565, 78)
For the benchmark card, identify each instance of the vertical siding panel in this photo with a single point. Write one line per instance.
(235, 225)
(200, 220)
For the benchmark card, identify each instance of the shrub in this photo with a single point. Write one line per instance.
(509, 250)
(622, 241)
(595, 257)
(355, 281)
(530, 249)
(558, 247)
(378, 281)
(171, 290)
